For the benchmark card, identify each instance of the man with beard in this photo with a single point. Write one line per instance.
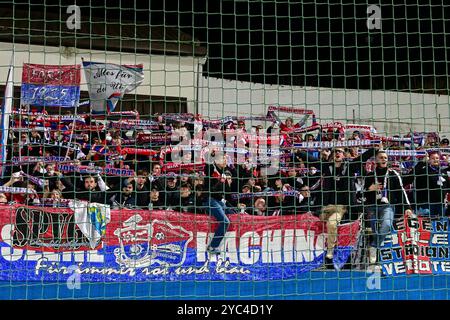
(125, 197)
(90, 191)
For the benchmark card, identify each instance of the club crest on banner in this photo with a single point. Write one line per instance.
(98, 219)
(158, 242)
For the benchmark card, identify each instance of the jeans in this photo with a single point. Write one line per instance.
(381, 218)
(219, 211)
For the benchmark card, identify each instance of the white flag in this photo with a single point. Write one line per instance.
(108, 82)
(92, 219)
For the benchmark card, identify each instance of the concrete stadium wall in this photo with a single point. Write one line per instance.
(163, 75)
(389, 111)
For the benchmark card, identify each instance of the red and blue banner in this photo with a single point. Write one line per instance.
(40, 244)
(50, 85)
(418, 245)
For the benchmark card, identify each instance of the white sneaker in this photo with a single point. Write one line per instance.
(373, 255)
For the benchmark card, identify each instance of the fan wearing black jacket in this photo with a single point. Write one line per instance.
(220, 181)
(142, 193)
(91, 191)
(431, 183)
(383, 192)
(338, 191)
(125, 197)
(186, 200)
(155, 200)
(306, 202)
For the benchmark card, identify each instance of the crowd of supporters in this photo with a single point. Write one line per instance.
(335, 184)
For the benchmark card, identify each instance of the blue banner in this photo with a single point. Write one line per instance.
(50, 95)
(418, 245)
(47, 244)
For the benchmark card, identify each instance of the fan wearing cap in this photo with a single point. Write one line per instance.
(356, 135)
(219, 184)
(245, 202)
(171, 189)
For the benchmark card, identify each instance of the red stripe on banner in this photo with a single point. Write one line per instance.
(304, 130)
(68, 75)
(141, 152)
(47, 223)
(412, 237)
(290, 110)
(172, 167)
(134, 66)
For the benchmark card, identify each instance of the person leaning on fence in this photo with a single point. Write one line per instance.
(217, 185)
(338, 192)
(382, 193)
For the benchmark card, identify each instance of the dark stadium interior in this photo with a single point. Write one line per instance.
(301, 43)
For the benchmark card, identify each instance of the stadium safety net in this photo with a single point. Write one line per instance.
(224, 150)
